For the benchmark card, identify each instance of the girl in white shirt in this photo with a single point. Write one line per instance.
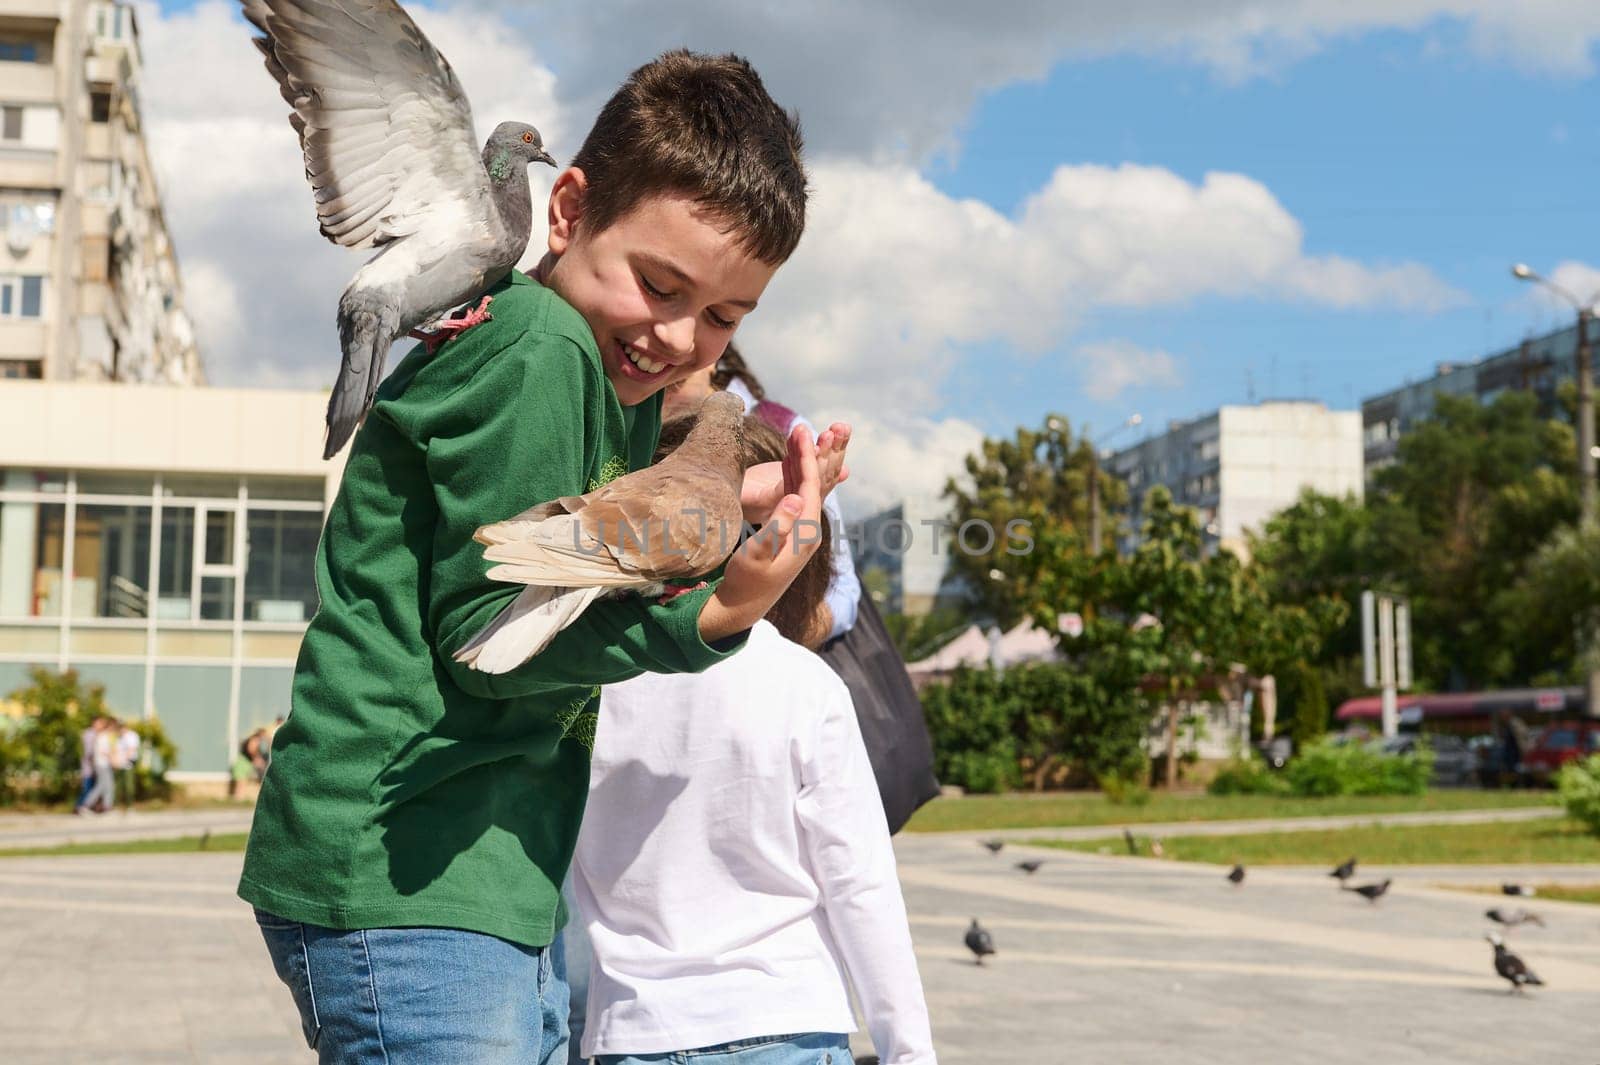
(734, 873)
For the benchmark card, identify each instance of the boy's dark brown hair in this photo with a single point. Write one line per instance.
(794, 615)
(702, 126)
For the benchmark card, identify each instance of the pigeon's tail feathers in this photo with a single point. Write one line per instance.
(558, 552)
(525, 627)
(368, 325)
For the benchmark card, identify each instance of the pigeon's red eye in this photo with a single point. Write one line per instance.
(527, 138)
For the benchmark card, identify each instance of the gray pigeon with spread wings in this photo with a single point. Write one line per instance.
(391, 156)
(677, 519)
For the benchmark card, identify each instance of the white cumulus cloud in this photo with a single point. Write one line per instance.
(1111, 367)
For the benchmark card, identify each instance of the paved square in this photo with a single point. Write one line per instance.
(1101, 960)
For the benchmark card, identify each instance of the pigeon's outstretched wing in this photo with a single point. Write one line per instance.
(385, 127)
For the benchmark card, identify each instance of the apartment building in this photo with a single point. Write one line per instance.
(89, 283)
(1239, 465)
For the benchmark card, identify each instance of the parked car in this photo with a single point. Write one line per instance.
(1454, 764)
(1559, 743)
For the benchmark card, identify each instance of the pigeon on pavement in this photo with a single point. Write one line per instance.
(1520, 890)
(1512, 967)
(979, 941)
(1371, 892)
(677, 519)
(1513, 918)
(1031, 866)
(391, 156)
(1345, 872)
(994, 845)
(1236, 875)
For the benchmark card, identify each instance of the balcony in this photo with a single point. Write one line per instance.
(27, 83)
(28, 168)
(22, 340)
(30, 14)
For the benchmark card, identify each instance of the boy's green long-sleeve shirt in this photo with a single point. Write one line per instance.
(406, 789)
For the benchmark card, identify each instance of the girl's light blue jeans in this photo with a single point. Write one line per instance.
(420, 996)
(818, 1048)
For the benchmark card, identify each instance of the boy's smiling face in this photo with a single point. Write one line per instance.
(663, 288)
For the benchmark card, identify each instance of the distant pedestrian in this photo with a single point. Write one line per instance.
(86, 766)
(127, 761)
(103, 797)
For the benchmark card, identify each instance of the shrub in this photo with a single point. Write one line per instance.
(40, 751)
(1579, 786)
(1124, 790)
(971, 729)
(1331, 768)
(1247, 776)
(984, 725)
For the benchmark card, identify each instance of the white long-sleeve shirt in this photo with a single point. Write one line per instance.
(734, 864)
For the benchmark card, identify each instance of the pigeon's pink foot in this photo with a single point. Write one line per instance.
(452, 327)
(673, 591)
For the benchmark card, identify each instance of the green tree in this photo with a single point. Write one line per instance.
(1170, 621)
(1473, 494)
(1039, 477)
(1552, 612)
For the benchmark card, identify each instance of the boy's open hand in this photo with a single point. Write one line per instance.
(767, 483)
(763, 567)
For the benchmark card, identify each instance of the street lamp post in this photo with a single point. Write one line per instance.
(1586, 447)
(1587, 451)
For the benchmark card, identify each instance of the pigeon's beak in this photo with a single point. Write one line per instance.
(542, 156)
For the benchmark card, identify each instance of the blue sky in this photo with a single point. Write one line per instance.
(1383, 151)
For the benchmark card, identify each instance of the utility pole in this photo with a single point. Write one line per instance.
(1587, 452)
(1586, 447)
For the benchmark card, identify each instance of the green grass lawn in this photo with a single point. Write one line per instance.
(1553, 839)
(219, 842)
(1053, 810)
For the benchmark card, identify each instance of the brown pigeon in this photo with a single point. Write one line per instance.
(680, 518)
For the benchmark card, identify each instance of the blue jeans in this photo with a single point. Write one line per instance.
(420, 996)
(819, 1048)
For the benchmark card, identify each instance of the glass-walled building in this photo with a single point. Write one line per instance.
(166, 554)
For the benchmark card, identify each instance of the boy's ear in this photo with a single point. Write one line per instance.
(566, 208)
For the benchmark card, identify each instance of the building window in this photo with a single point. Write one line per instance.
(21, 369)
(22, 297)
(100, 107)
(10, 122)
(32, 541)
(111, 549)
(279, 584)
(14, 51)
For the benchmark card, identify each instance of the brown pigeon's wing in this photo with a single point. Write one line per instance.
(654, 524)
(671, 520)
(384, 125)
(522, 525)
(558, 552)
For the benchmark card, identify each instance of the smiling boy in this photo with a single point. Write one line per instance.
(419, 817)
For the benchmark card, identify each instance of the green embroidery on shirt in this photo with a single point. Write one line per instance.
(610, 470)
(578, 722)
